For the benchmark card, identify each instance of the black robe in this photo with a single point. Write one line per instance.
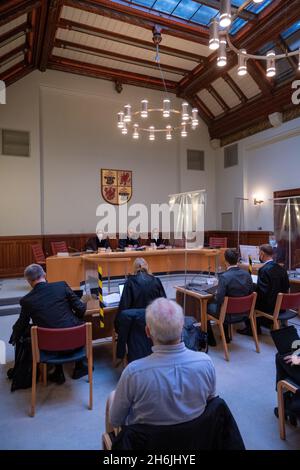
(125, 242)
(94, 243)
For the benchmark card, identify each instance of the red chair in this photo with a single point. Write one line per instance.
(287, 307)
(233, 310)
(218, 242)
(38, 254)
(45, 342)
(59, 247)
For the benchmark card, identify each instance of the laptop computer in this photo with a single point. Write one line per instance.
(285, 340)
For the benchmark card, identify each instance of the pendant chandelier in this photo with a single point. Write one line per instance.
(175, 121)
(219, 40)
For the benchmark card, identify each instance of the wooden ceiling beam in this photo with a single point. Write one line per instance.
(123, 39)
(143, 18)
(10, 10)
(203, 111)
(213, 92)
(13, 53)
(235, 88)
(244, 14)
(53, 15)
(258, 73)
(14, 33)
(254, 111)
(116, 56)
(15, 73)
(96, 71)
(282, 45)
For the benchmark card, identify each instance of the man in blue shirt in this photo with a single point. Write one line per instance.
(170, 386)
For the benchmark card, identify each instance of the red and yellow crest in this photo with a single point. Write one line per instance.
(116, 186)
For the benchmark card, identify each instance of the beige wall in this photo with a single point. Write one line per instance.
(72, 121)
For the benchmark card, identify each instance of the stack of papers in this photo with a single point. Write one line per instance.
(111, 299)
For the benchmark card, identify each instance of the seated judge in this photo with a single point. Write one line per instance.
(49, 305)
(99, 241)
(170, 386)
(140, 289)
(156, 239)
(132, 241)
(271, 280)
(234, 282)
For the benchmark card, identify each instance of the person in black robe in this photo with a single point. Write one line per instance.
(156, 239)
(140, 289)
(132, 240)
(99, 241)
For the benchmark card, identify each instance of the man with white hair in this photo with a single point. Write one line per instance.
(170, 386)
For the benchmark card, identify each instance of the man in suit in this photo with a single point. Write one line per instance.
(234, 282)
(99, 241)
(49, 305)
(271, 280)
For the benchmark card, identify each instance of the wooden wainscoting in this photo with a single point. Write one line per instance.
(16, 253)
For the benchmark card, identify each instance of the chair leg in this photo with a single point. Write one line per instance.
(44, 374)
(276, 325)
(254, 334)
(281, 411)
(90, 371)
(224, 341)
(33, 390)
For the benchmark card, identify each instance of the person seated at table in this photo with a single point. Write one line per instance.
(156, 239)
(49, 305)
(288, 368)
(131, 241)
(140, 289)
(271, 280)
(234, 282)
(99, 241)
(170, 386)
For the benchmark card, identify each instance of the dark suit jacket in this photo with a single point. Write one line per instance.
(94, 244)
(215, 429)
(49, 305)
(235, 282)
(124, 242)
(140, 290)
(272, 279)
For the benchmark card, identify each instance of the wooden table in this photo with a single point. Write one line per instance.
(72, 269)
(200, 299)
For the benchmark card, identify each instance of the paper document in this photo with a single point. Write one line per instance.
(111, 298)
(254, 278)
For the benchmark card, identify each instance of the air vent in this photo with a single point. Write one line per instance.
(15, 143)
(231, 156)
(226, 220)
(195, 160)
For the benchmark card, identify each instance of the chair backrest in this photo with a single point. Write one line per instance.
(38, 253)
(236, 305)
(61, 339)
(290, 301)
(218, 242)
(59, 247)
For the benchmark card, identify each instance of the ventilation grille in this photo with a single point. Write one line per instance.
(15, 143)
(231, 156)
(195, 160)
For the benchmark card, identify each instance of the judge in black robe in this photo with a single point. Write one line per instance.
(156, 239)
(99, 241)
(132, 240)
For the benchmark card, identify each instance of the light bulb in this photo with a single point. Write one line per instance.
(185, 111)
(152, 133)
(214, 41)
(271, 65)
(242, 62)
(120, 120)
(124, 129)
(135, 134)
(127, 113)
(166, 107)
(183, 130)
(222, 55)
(225, 13)
(195, 120)
(144, 111)
(169, 133)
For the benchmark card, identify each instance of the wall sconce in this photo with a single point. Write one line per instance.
(258, 202)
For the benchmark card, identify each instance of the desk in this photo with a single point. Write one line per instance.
(72, 268)
(200, 299)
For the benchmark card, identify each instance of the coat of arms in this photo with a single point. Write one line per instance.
(116, 186)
